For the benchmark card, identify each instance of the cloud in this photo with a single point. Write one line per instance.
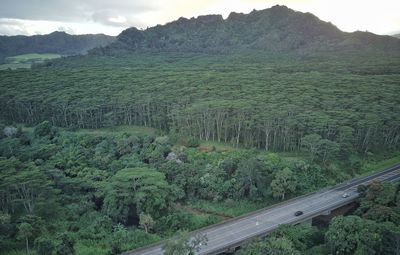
(73, 16)
(111, 18)
(32, 27)
(71, 10)
(12, 27)
(68, 30)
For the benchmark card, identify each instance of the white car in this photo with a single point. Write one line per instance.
(345, 195)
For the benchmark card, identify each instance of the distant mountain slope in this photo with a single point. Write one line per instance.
(396, 35)
(56, 42)
(276, 29)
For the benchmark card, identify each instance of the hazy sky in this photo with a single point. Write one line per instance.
(112, 16)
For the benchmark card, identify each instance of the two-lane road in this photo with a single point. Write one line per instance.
(238, 230)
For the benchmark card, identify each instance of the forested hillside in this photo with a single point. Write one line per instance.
(56, 42)
(277, 29)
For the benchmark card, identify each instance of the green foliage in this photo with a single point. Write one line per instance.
(230, 207)
(251, 178)
(193, 142)
(44, 246)
(89, 192)
(353, 235)
(120, 236)
(183, 244)
(146, 222)
(388, 160)
(379, 202)
(302, 236)
(25, 232)
(323, 149)
(44, 129)
(25, 186)
(272, 246)
(283, 183)
(65, 245)
(178, 220)
(132, 191)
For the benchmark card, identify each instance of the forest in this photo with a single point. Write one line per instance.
(104, 191)
(274, 102)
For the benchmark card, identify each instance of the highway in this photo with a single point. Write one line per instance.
(238, 230)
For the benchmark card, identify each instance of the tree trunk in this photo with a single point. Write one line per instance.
(27, 245)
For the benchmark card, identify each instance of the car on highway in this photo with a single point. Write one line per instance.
(345, 195)
(298, 213)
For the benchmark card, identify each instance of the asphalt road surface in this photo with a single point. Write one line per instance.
(238, 230)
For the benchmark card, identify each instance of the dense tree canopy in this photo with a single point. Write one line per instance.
(320, 104)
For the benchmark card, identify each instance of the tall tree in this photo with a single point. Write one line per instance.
(184, 244)
(351, 234)
(25, 232)
(146, 222)
(132, 191)
(251, 178)
(283, 183)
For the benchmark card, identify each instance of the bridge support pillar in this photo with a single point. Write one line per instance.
(231, 250)
(308, 222)
(326, 213)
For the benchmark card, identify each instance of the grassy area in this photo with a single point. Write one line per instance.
(20, 252)
(380, 163)
(231, 208)
(217, 146)
(95, 249)
(26, 60)
(133, 130)
(33, 56)
(14, 66)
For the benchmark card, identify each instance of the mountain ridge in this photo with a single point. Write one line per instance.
(56, 42)
(278, 28)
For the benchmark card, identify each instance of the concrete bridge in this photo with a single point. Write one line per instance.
(231, 234)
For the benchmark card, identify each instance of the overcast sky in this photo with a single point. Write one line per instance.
(30, 17)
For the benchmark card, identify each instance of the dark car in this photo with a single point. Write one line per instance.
(298, 213)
